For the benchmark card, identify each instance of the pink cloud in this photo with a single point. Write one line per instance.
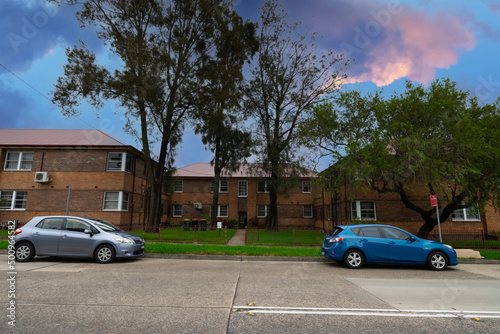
(414, 47)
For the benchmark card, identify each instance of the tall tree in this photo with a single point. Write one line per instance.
(162, 46)
(438, 136)
(220, 120)
(289, 75)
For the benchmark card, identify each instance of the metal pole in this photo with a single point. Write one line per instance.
(67, 201)
(439, 223)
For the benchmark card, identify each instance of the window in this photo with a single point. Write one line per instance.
(115, 201)
(51, 223)
(392, 233)
(222, 211)
(178, 186)
(18, 161)
(223, 186)
(308, 211)
(177, 210)
(262, 211)
(242, 188)
(470, 213)
(306, 186)
(13, 200)
(119, 162)
(262, 187)
(76, 225)
(371, 231)
(363, 210)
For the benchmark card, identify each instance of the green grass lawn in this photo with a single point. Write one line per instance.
(285, 238)
(490, 254)
(181, 236)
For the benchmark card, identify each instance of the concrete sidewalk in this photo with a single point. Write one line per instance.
(238, 238)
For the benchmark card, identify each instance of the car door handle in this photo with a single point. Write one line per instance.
(363, 240)
(392, 243)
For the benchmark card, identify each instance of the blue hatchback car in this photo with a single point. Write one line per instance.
(356, 245)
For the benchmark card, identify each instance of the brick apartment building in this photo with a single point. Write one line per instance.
(351, 203)
(243, 196)
(39, 169)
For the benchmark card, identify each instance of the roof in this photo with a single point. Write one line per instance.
(49, 137)
(206, 170)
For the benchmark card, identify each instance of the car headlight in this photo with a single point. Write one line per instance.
(124, 241)
(448, 246)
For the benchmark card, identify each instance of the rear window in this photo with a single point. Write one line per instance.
(336, 230)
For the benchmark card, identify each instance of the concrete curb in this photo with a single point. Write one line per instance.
(276, 258)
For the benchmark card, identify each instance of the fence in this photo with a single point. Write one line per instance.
(184, 234)
(284, 237)
(464, 239)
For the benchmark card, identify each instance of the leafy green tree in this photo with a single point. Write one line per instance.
(288, 76)
(163, 46)
(439, 136)
(219, 114)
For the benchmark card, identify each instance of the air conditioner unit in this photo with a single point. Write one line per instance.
(197, 205)
(42, 177)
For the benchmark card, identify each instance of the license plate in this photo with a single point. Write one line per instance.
(322, 253)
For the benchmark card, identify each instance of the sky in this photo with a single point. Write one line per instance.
(389, 41)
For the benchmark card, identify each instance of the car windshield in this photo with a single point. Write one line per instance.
(104, 225)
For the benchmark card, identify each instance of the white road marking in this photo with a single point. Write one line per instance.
(370, 312)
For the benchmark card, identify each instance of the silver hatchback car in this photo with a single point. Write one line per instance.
(69, 236)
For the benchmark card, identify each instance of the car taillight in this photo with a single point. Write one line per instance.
(336, 240)
(16, 232)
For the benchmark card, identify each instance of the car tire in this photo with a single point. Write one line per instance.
(25, 252)
(354, 259)
(104, 254)
(437, 261)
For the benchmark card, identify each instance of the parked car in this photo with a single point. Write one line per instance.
(69, 236)
(356, 245)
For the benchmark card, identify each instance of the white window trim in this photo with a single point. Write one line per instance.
(173, 210)
(266, 189)
(245, 188)
(358, 210)
(220, 191)
(18, 167)
(120, 201)
(218, 210)
(175, 186)
(266, 210)
(304, 211)
(308, 185)
(466, 218)
(13, 200)
(123, 167)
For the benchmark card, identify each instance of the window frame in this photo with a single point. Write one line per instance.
(266, 210)
(176, 188)
(220, 186)
(465, 214)
(245, 188)
(175, 210)
(304, 211)
(266, 188)
(219, 210)
(19, 161)
(120, 201)
(14, 200)
(306, 187)
(125, 163)
(358, 215)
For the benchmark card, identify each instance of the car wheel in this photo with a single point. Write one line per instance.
(104, 254)
(25, 252)
(354, 259)
(437, 261)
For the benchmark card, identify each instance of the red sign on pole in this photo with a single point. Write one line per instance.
(434, 200)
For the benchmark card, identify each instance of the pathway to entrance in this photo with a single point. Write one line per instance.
(238, 238)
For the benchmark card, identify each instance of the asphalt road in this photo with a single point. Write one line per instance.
(223, 296)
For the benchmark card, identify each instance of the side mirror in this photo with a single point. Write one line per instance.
(88, 231)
